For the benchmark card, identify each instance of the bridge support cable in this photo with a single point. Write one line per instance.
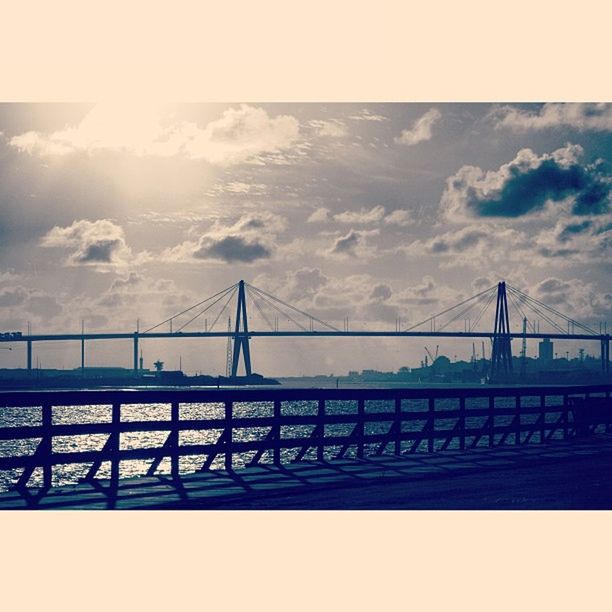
(229, 299)
(280, 311)
(466, 310)
(178, 314)
(231, 292)
(447, 310)
(539, 312)
(516, 302)
(260, 310)
(501, 355)
(531, 301)
(482, 311)
(261, 293)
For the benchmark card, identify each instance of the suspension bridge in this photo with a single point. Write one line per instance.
(275, 317)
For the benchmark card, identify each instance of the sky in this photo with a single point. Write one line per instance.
(113, 213)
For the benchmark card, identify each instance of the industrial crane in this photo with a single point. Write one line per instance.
(431, 356)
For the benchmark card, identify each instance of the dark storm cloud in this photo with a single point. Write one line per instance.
(527, 183)
(99, 252)
(234, 249)
(528, 191)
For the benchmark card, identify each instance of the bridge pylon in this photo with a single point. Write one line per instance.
(241, 336)
(501, 354)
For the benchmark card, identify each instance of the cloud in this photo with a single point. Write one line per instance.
(233, 249)
(100, 244)
(347, 245)
(299, 287)
(575, 298)
(362, 216)
(319, 215)
(241, 135)
(399, 217)
(353, 245)
(580, 116)
(457, 241)
(527, 184)
(18, 302)
(421, 129)
(381, 292)
(8, 276)
(366, 115)
(239, 187)
(330, 128)
(13, 296)
(361, 296)
(474, 245)
(574, 239)
(251, 238)
(44, 305)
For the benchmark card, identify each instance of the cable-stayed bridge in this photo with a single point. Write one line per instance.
(274, 317)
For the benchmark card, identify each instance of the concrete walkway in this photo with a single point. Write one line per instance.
(576, 474)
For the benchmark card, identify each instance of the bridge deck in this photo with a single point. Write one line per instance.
(573, 474)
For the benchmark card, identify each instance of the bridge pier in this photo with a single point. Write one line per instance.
(29, 354)
(83, 355)
(135, 352)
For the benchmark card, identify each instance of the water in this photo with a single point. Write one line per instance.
(65, 474)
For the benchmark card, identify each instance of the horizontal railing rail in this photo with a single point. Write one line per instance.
(379, 421)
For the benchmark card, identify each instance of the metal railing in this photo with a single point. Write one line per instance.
(339, 423)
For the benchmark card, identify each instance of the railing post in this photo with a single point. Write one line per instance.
(276, 428)
(431, 421)
(47, 445)
(462, 423)
(228, 434)
(361, 426)
(174, 443)
(517, 417)
(543, 418)
(491, 421)
(398, 426)
(321, 426)
(116, 446)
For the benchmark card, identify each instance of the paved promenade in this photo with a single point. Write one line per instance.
(575, 474)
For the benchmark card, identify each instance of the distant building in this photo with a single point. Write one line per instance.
(545, 350)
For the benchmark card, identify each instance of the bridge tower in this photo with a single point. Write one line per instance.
(241, 337)
(501, 354)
